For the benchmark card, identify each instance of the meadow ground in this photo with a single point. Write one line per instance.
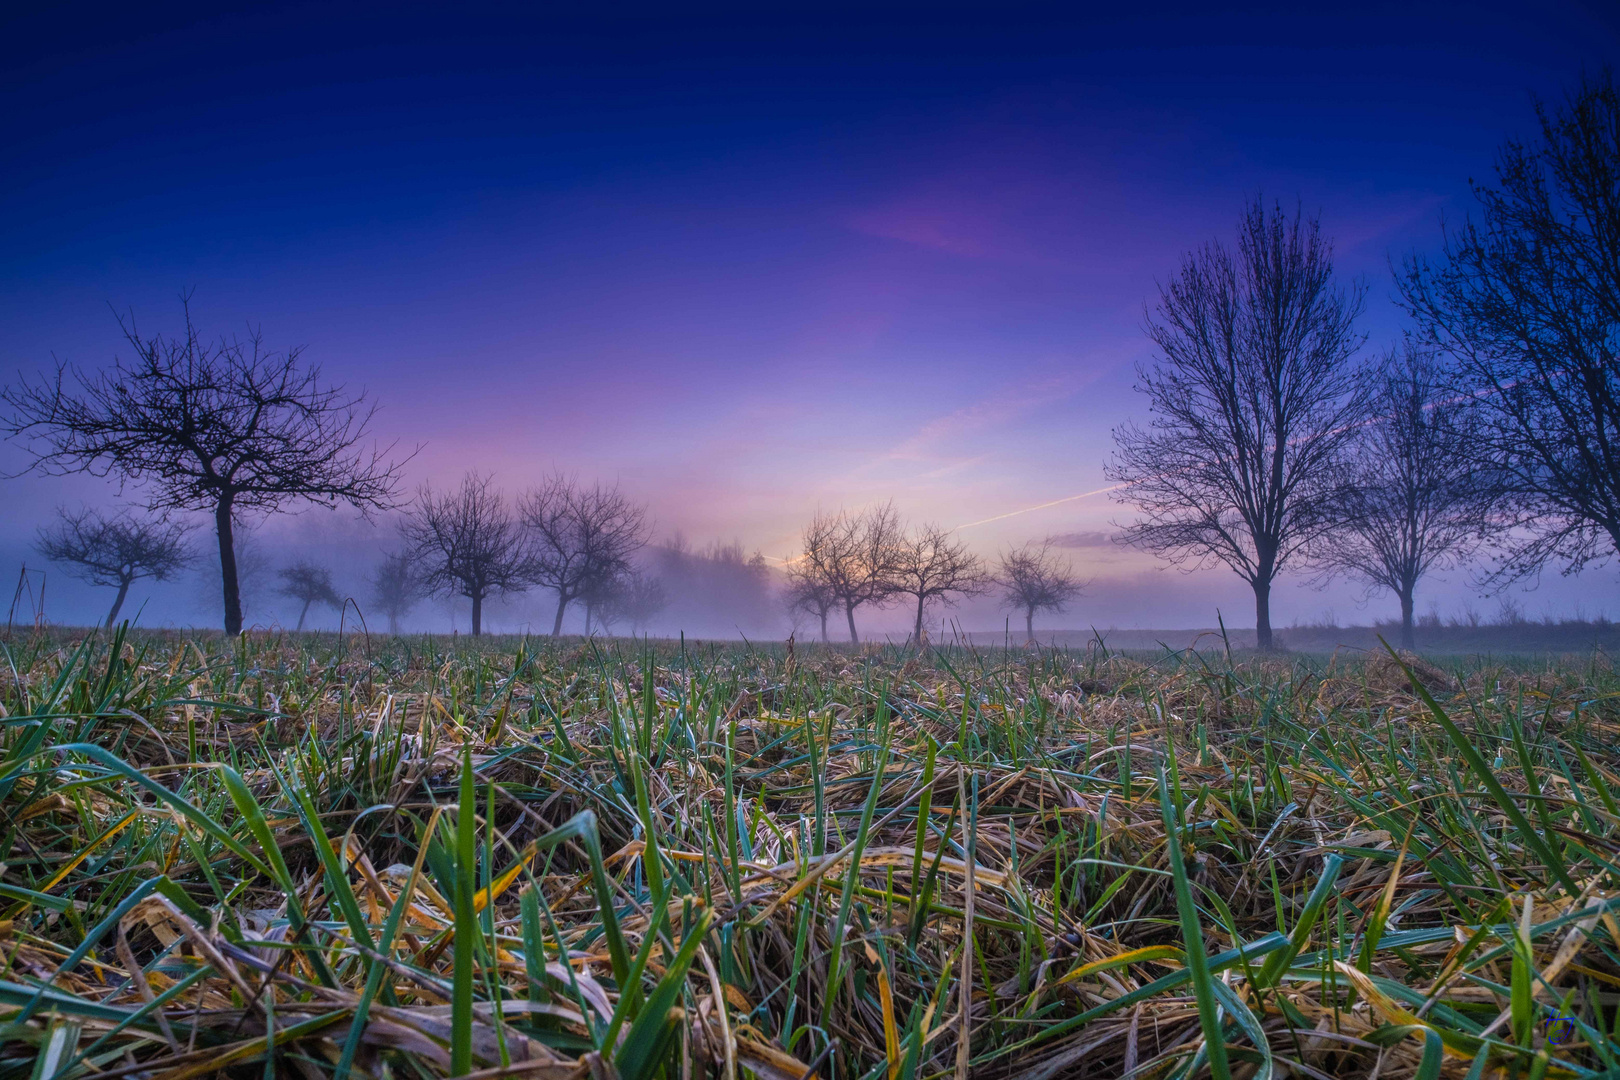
(314, 856)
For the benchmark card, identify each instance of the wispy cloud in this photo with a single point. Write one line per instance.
(923, 444)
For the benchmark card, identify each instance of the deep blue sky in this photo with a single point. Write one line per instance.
(746, 267)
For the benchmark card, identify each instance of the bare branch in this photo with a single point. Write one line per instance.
(1527, 302)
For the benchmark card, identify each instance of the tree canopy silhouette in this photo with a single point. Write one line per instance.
(850, 557)
(1031, 579)
(395, 587)
(466, 542)
(580, 538)
(933, 568)
(308, 584)
(228, 428)
(1416, 500)
(1255, 400)
(1526, 300)
(115, 549)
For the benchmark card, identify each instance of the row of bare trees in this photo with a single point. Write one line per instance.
(872, 559)
(1270, 446)
(1496, 423)
(231, 429)
(576, 540)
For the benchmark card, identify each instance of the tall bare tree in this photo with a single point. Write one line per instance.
(1255, 398)
(468, 543)
(1526, 299)
(1417, 499)
(580, 538)
(308, 584)
(1032, 579)
(852, 557)
(395, 587)
(932, 568)
(229, 428)
(116, 550)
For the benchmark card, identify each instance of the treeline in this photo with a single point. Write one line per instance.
(1273, 444)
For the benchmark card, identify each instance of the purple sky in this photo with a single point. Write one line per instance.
(746, 269)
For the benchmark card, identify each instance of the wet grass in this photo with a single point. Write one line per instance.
(311, 856)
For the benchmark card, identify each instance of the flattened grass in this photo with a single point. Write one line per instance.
(316, 856)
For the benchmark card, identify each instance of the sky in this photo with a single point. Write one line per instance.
(746, 265)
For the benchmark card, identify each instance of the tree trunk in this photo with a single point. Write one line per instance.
(1029, 624)
(302, 614)
(824, 626)
(916, 633)
(477, 615)
(393, 624)
(562, 606)
(123, 591)
(1408, 634)
(1262, 616)
(227, 568)
(849, 610)
(588, 614)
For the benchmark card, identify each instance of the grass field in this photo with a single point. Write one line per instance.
(311, 856)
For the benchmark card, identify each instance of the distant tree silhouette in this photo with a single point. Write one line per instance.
(1255, 400)
(933, 568)
(720, 586)
(635, 598)
(228, 428)
(1526, 300)
(580, 538)
(1417, 499)
(809, 593)
(466, 542)
(395, 588)
(1032, 579)
(116, 550)
(308, 584)
(852, 557)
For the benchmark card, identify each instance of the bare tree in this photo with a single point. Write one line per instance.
(395, 588)
(808, 593)
(229, 428)
(116, 550)
(309, 584)
(1417, 500)
(580, 538)
(1032, 579)
(467, 543)
(934, 568)
(1527, 301)
(1254, 399)
(852, 557)
(635, 598)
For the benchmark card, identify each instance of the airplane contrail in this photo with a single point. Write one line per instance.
(1041, 506)
(1117, 487)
